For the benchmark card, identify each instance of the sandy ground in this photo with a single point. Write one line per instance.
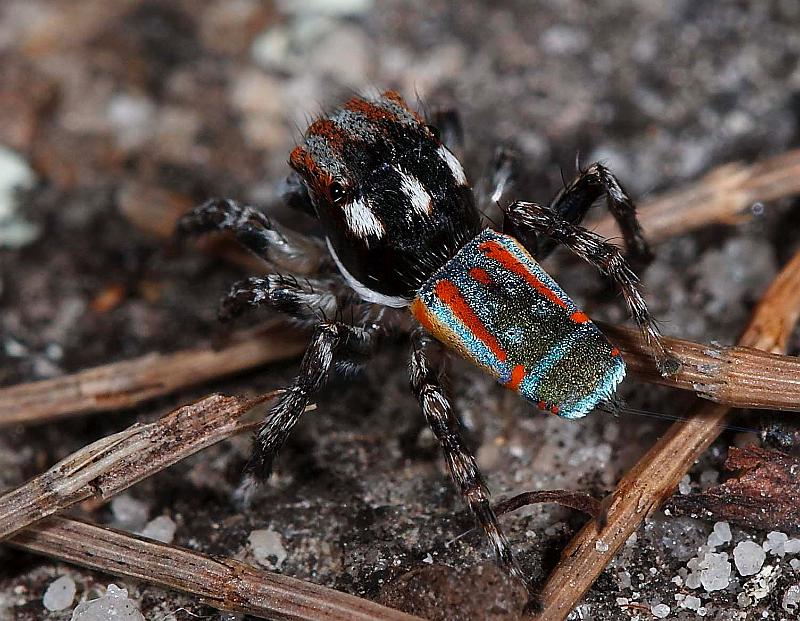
(117, 116)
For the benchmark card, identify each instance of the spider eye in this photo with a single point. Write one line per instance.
(435, 131)
(337, 192)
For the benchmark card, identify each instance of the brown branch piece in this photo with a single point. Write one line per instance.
(642, 490)
(721, 196)
(736, 376)
(223, 583)
(116, 462)
(125, 384)
(765, 494)
(574, 500)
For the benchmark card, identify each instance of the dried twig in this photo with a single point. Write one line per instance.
(721, 196)
(574, 500)
(737, 376)
(128, 383)
(116, 462)
(223, 583)
(653, 479)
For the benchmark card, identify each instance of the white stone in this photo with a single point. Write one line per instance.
(660, 611)
(748, 557)
(60, 594)
(721, 534)
(691, 602)
(685, 485)
(161, 529)
(267, 546)
(791, 599)
(113, 605)
(601, 546)
(775, 543)
(715, 571)
(129, 513)
(15, 175)
(792, 546)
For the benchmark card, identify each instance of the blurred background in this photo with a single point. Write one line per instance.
(116, 117)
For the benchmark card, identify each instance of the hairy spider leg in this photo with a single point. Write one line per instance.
(606, 257)
(573, 202)
(460, 461)
(256, 231)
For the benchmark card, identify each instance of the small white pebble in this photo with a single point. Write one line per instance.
(60, 594)
(685, 485)
(748, 557)
(691, 602)
(775, 543)
(795, 564)
(715, 571)
(428, 559)
(791, 599)
(601, 546)
(113, 605)
(623, 601)
(792, 546)
(268, 548)
(721, 534)
(129, 513)
(161, 529)
(660, 611)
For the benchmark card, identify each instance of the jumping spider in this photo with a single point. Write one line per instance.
(403, 237)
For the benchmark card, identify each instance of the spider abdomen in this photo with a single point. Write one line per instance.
(498, 308)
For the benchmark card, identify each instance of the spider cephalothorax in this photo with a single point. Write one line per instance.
(401, 226)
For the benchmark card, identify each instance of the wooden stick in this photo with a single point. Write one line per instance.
(116, 462)
(736, 376)
(721, 196)
(653, 479)
(223, 583)
(125, 384)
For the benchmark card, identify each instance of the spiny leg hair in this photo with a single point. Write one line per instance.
(606, 257)
(460, 461)
(256, 231)
(318, 360)
(573, 202)
(307, 300)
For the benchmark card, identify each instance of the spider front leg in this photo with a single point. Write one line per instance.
(328, 341)
(254, 230)
(530, 218)
(308, 300)
(460, 461)
(573, 202)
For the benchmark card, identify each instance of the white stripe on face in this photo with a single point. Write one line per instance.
(421, 200)
(361, 221)
(453, 164)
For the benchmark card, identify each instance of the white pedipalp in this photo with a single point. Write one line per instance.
(361, 289)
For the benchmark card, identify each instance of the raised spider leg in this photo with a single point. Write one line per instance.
(254, 229)
(307, 300)
(606, 257)
(327, 341)
(574, 201)
(460, 461)
(448, 123)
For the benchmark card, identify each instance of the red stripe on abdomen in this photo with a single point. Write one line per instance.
(494, 250)
(449, 294)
